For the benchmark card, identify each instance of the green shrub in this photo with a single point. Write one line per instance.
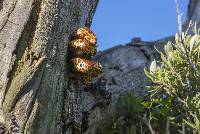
(176, 89)
(127, 117)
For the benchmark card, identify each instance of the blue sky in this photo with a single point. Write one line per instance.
(118, 21)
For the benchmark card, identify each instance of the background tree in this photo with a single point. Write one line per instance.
(37, 94)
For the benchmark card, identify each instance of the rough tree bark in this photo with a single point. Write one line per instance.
(37, 94)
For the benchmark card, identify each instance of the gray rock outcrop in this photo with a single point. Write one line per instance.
(193, 13)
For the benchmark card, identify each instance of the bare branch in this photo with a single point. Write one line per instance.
(167, 127)
(179, 14)
(148, 124)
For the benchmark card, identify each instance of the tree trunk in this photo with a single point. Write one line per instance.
(37, 93)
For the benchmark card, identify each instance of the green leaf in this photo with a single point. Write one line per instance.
(190, 124)
(153, 66)
(171, 56)
(168, 48)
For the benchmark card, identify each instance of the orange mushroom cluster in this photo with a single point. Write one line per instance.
(84, 48)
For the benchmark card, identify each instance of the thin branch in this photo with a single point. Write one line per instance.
(183, 128)
(179, 14)
(148, 124)
(167, 126)
(188, 27)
